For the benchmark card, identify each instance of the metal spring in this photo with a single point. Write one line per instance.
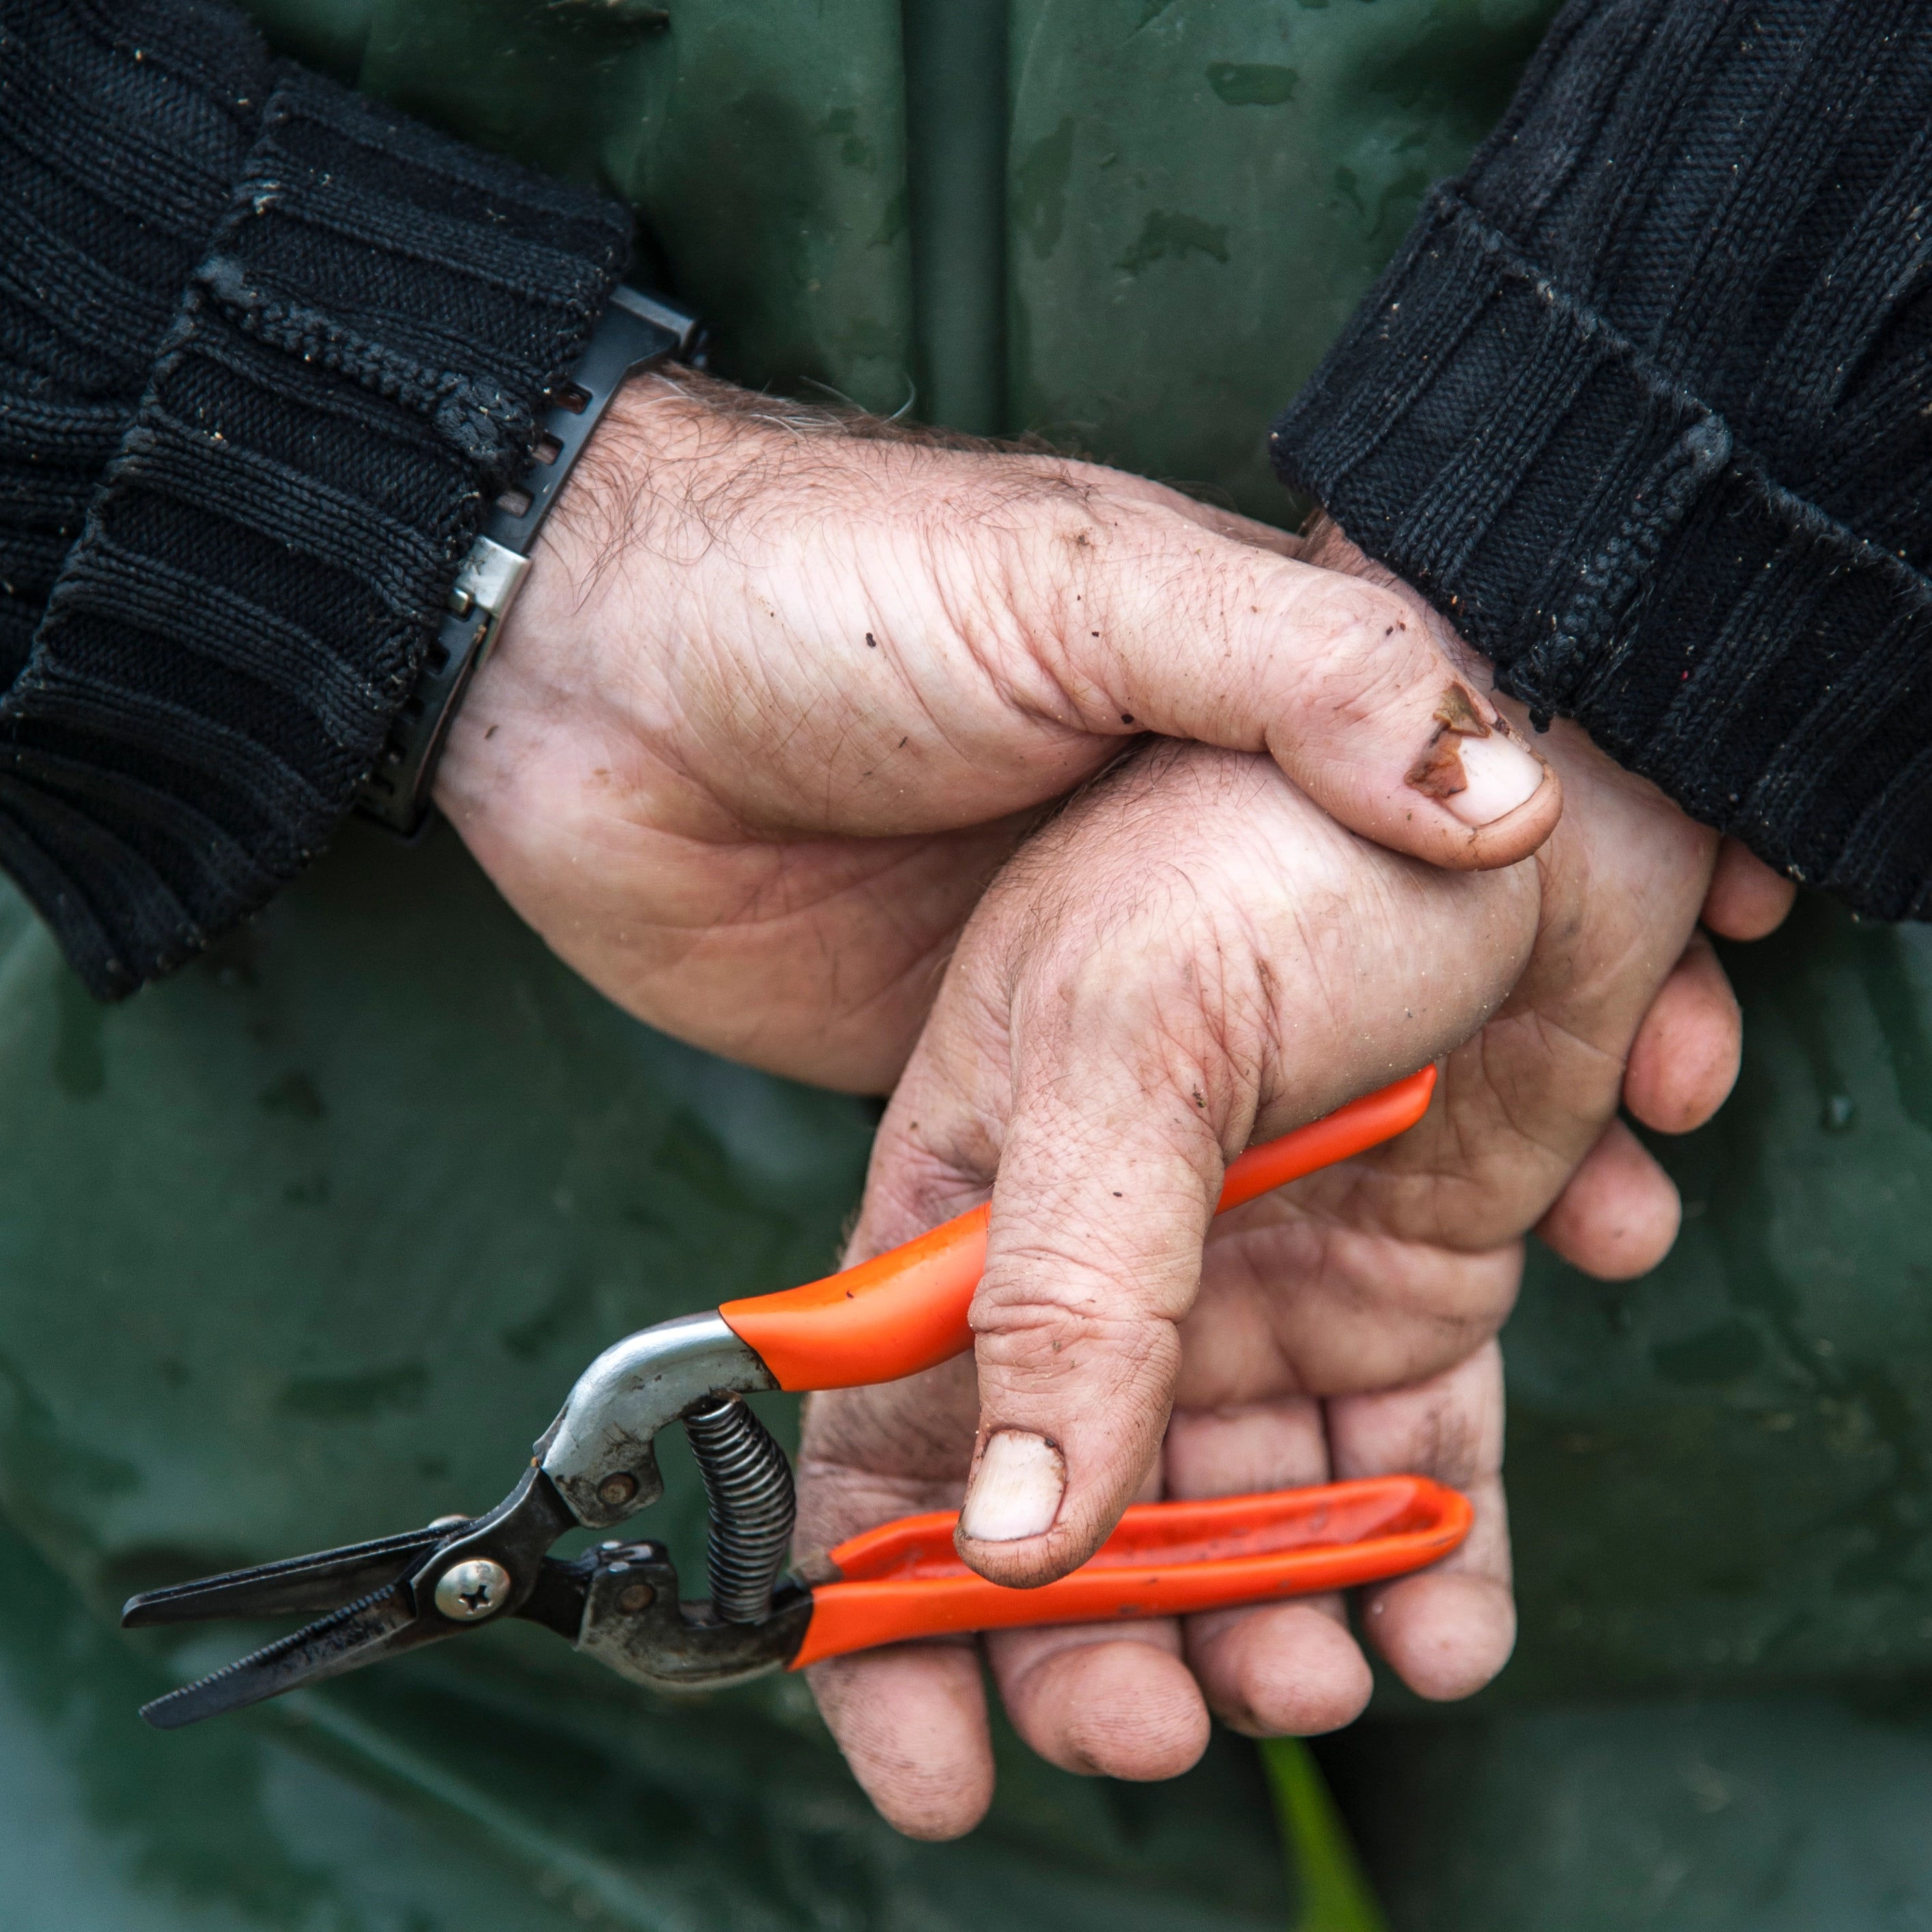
(748, 1483)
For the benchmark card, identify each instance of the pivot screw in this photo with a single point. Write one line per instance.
(467, 1592)
(635, 1596)
(614, 1491)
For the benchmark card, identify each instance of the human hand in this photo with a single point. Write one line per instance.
(783, 690)
(1403, 1263)
(1191, 957)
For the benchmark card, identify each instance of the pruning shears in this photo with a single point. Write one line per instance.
(618, 1602)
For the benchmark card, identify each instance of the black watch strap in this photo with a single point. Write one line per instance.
(636, 331)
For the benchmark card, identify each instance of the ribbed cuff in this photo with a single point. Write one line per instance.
(354, 371)
(1599, 532)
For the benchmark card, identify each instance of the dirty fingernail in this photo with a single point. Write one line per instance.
(1475, 764)
(1498, 775)
(1016, 1489)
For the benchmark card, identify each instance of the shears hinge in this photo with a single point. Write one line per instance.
(632, 1620)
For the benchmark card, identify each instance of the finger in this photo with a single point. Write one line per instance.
(1286, 1670)
(1354, 689)
(1094, 1254)
(1276, 1670)
(911, 1720)
(1110, 1700)
(1747, 899)
(1103, 1700)
(1619, 1214)
(1448, 1630)
(1684, 1060)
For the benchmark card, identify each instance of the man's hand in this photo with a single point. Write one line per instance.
(783, 691)
(1191, 957)
(1376, 1287)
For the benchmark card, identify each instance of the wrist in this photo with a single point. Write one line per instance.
(560, 713)
(636, 331)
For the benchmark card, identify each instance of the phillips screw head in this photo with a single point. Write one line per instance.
(467, 1593)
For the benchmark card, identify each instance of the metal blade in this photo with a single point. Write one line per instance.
(383, 1624)
(407, 1607)
(298, 1586)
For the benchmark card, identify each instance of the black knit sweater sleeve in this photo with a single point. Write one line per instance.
(1645, 405)
(267, 352)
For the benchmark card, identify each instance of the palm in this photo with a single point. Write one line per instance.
(815, 957)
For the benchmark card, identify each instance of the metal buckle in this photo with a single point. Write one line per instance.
(637, 331)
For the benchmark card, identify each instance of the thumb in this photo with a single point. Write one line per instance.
(1190, 947)
(1093, 1255)
(1357, 689)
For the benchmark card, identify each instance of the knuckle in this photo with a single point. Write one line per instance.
(1047, 1339)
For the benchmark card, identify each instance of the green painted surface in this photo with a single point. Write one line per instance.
(501, 1794)
(1130, 226)
(1201, 191)
(955, 54)
(1800, 1813)
(309, 1242)
(1721, 1475)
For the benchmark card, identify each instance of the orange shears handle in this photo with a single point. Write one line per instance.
(903, 1580)
(906, 1310)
